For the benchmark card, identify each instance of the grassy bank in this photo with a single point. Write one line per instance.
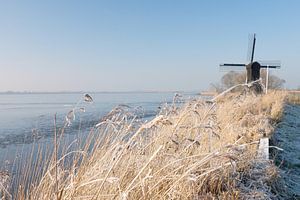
(294, 97)
(202, 150)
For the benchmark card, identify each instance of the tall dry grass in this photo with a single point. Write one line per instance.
(294, 98)
(202, 150)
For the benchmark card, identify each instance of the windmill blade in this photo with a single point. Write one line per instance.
(251, 47)
(232, 67)
(270, 64)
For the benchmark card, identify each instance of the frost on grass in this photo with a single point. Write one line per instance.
(88, 98)
(202, 150)
(71, 114)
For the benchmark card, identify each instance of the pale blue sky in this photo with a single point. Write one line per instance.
(140, 45)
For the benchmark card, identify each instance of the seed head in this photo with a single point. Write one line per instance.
(88, 98)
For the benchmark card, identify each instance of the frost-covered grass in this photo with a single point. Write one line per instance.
(294, 98)
(202, 150)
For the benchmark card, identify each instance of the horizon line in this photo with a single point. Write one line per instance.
(82, 91)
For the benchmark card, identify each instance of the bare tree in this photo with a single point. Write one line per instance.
(233, 78)
(274, 81)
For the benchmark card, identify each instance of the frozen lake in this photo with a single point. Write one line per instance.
(27, 119)
(23, 114)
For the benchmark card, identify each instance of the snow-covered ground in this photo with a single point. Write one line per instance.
(287, 137)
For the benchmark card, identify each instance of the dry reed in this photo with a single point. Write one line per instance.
(202, 150)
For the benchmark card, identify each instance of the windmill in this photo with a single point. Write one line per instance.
(253, 67)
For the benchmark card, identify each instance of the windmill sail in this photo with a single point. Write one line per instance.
(270, 63)
(250, 60)
(251, 47)
(232, 67)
